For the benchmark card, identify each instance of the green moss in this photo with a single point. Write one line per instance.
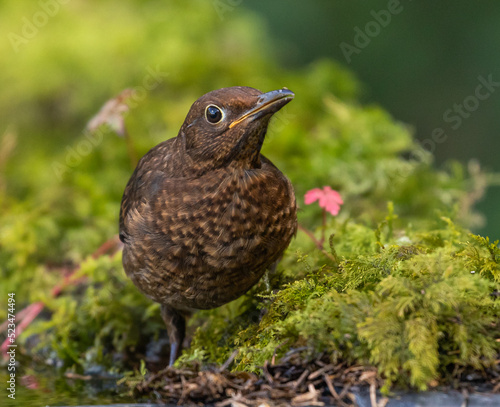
(98, 320)
(415, 311)
(406, 288)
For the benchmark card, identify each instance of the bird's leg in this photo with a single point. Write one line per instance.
(176, 328)
(272, 267)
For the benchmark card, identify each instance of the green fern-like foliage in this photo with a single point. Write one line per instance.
(483, 256)
(415, 311)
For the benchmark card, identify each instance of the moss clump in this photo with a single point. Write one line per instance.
(416, 310)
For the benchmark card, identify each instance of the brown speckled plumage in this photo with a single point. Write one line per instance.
(205, 214)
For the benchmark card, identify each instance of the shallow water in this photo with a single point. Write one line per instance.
(51, 390)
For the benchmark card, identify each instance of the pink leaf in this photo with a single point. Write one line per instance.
(328, 198)
(30, 382)
(313, 195)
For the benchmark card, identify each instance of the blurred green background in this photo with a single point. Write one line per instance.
(424, 61)
(62, 59)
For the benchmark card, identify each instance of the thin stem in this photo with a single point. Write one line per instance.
(323, 228)
(28, 314)
(318, 244)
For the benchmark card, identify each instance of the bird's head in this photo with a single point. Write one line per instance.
(226, 127)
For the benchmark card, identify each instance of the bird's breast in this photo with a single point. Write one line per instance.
(210, 239)
(228, 212)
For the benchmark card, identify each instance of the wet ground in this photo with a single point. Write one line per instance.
(295, 382)
(52, 391)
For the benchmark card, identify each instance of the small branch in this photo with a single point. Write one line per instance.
(28, 314)
(228, 362)
(273, 359)
(318, 243)
(311, 236)
(323, 228)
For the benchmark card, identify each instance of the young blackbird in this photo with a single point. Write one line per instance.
(205, 214)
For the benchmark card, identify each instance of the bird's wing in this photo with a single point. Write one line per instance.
(267, 165)
(151, 172)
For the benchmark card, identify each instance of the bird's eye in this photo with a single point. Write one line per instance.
(213, 114)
